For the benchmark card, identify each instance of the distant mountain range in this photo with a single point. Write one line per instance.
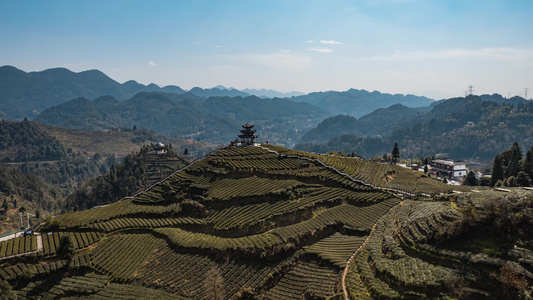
(26, 94)
(358, 103)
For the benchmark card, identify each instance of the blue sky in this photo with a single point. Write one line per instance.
(424, 47)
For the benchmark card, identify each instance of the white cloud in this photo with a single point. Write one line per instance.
(320, 49)
(219, 46)
(310, 41)
(330, 42)
(152, 63)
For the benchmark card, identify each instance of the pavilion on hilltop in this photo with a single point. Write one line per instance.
(248, 134)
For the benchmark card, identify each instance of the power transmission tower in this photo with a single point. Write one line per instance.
(470, 90)
(525, 93)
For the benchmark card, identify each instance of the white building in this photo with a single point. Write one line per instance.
(450, 168)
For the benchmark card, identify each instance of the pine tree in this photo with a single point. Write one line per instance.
(513, 164)
(497, 170)
(396, 153)
(528, 163)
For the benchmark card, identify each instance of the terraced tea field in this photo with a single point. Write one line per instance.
(243, 222)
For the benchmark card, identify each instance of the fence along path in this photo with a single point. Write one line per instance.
(406, 193)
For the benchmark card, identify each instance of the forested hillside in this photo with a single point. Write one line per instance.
(215, 119)
(137, 172)
(24, 145)
(41, 165)
(461, 128)
(358, 103)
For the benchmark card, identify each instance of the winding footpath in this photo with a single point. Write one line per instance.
(351, 260)
(354, 255)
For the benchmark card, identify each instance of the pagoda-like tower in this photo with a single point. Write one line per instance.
(248, 134)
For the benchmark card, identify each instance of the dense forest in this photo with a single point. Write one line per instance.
(216, 119)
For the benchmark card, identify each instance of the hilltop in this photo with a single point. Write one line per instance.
(242, 222)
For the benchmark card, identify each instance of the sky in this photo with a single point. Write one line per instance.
(422, 47)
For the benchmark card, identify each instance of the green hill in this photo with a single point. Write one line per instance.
(265, 222)
(463, 128)
(188, 116)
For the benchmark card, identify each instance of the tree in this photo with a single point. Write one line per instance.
(186, 152)
(426, 169)
(514, 158)
(528, 163)
(214, 284)
(396, 153)
(66, 247)
(497, 171)
(5, 206)
(511, 182)
(470, 179)
(523, 179)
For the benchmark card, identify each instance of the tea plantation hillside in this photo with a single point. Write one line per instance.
(470, 246)
(245, 222)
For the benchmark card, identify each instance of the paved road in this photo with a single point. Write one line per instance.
(12, 236)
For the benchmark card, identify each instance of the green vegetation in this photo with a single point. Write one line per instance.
(476, 127)
(474, 245)
(187, 116)
(139, 171)
(269, 223)
(242, 222)
(510, 169)
(18, 245)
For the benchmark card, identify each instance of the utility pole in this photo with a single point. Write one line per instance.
(21, 222)
(29, 219)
